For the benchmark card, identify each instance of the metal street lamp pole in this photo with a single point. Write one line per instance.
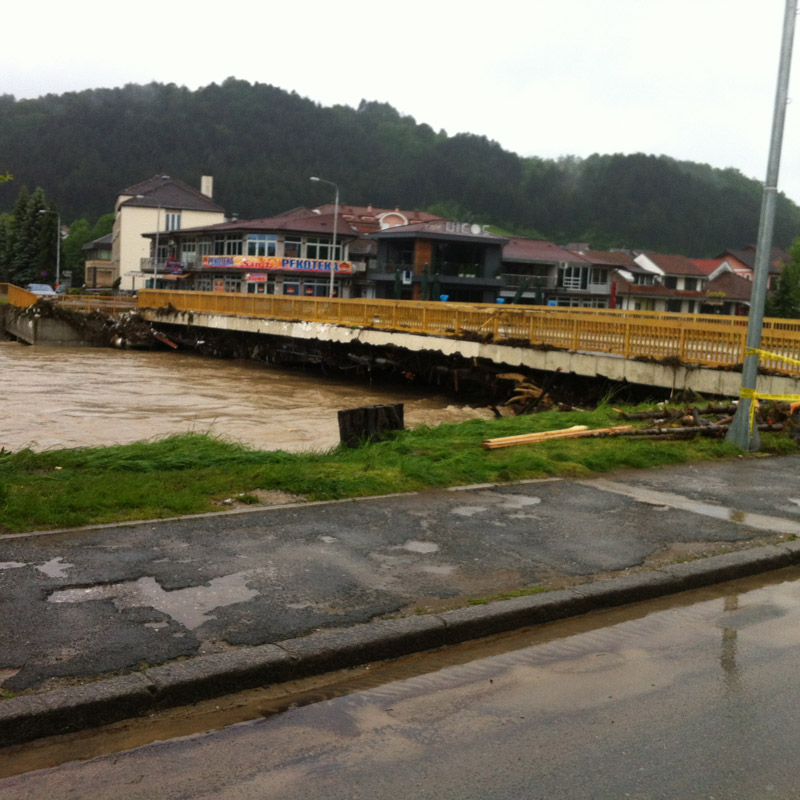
(739, 432)
(335, 223)
(58, 242)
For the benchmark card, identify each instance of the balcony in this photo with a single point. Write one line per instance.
(515, 280)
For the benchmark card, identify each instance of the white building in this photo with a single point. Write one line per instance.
(160, 204)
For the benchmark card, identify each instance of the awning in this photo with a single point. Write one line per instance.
(169, 277)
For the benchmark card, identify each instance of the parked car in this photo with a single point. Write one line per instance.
(41, 289)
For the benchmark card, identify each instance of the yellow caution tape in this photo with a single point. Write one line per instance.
(752, 394)
(751, 351)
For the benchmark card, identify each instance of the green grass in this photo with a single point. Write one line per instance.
(193, 473)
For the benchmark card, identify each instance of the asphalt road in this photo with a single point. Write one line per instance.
(691, 701)
(85, 603)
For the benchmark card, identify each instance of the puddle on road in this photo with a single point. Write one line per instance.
(651, 497)
(191, 607)
(253, 704)
(497, 502)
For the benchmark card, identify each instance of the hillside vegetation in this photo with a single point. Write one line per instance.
(262, 144)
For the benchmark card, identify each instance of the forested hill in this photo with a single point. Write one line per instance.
(262, 144)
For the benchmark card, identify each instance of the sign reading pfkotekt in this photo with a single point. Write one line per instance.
(274, 262)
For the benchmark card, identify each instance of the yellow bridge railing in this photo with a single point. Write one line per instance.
(703, 340)
(77, 302)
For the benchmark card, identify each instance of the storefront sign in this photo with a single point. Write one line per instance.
(256, 277)
(275, 263)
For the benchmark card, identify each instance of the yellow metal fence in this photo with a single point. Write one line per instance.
(705, 340)
(78, 302)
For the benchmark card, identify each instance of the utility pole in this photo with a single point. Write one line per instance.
(741, 432)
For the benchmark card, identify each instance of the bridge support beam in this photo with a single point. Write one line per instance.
(703, 381)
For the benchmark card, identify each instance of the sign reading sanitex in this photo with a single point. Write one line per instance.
(277, 263)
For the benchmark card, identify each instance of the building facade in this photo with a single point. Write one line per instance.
(161, 204)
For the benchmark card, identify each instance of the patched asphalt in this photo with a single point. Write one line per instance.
(217, 591)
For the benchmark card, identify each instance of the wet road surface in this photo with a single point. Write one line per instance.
(108, 600)
(694, 696)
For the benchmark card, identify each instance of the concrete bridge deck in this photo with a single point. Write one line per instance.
(671, 351)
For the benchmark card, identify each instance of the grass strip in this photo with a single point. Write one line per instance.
(193, 473)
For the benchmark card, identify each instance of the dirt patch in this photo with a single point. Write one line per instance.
(260, 497)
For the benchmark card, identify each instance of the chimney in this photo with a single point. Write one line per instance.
(207, 185)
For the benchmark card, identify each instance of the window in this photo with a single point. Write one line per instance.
(573, 278)
(173, 220)
(262, 244)
(188, 251)
(233, 284)
(204, 247)
(690, 284)
(674, 305)
(292, 247)
(321, 249)
(203, 284)
(671, 282)
(228, 246)
(599, 276)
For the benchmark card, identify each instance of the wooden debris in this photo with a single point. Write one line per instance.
(575, 432)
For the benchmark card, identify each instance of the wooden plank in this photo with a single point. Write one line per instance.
(575, 432)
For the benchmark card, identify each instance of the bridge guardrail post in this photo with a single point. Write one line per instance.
(626, 345)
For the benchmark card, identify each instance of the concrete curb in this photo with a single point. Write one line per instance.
(29, 717)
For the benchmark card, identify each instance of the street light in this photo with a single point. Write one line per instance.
(58, 242)
(158, 223)
(742, 431)
(335, 221)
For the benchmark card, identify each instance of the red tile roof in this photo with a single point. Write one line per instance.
(707, 265)
(734, 286)
(289, 222)
(608, 258)
(519, 249)
(368, 219)
(674, 264)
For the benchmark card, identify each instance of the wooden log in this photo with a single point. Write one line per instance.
(369, 423)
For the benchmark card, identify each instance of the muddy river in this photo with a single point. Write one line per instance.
(73, 397)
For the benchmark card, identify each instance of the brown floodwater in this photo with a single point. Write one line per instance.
(57, 397)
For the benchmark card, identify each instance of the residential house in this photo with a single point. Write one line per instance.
(292, 253)
(537, 271)
(743, 262)
(99, 270)
(684, 280)
(609, 271)
(160, 204)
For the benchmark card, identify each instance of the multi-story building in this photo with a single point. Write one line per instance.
(160, 204)
(293, 253)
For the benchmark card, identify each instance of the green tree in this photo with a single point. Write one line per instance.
(786, 300)
(80, 232)
(30, 240)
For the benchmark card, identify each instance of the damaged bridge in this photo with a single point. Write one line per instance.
(701, 353)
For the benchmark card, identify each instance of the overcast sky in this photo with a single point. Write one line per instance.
(692, 79)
